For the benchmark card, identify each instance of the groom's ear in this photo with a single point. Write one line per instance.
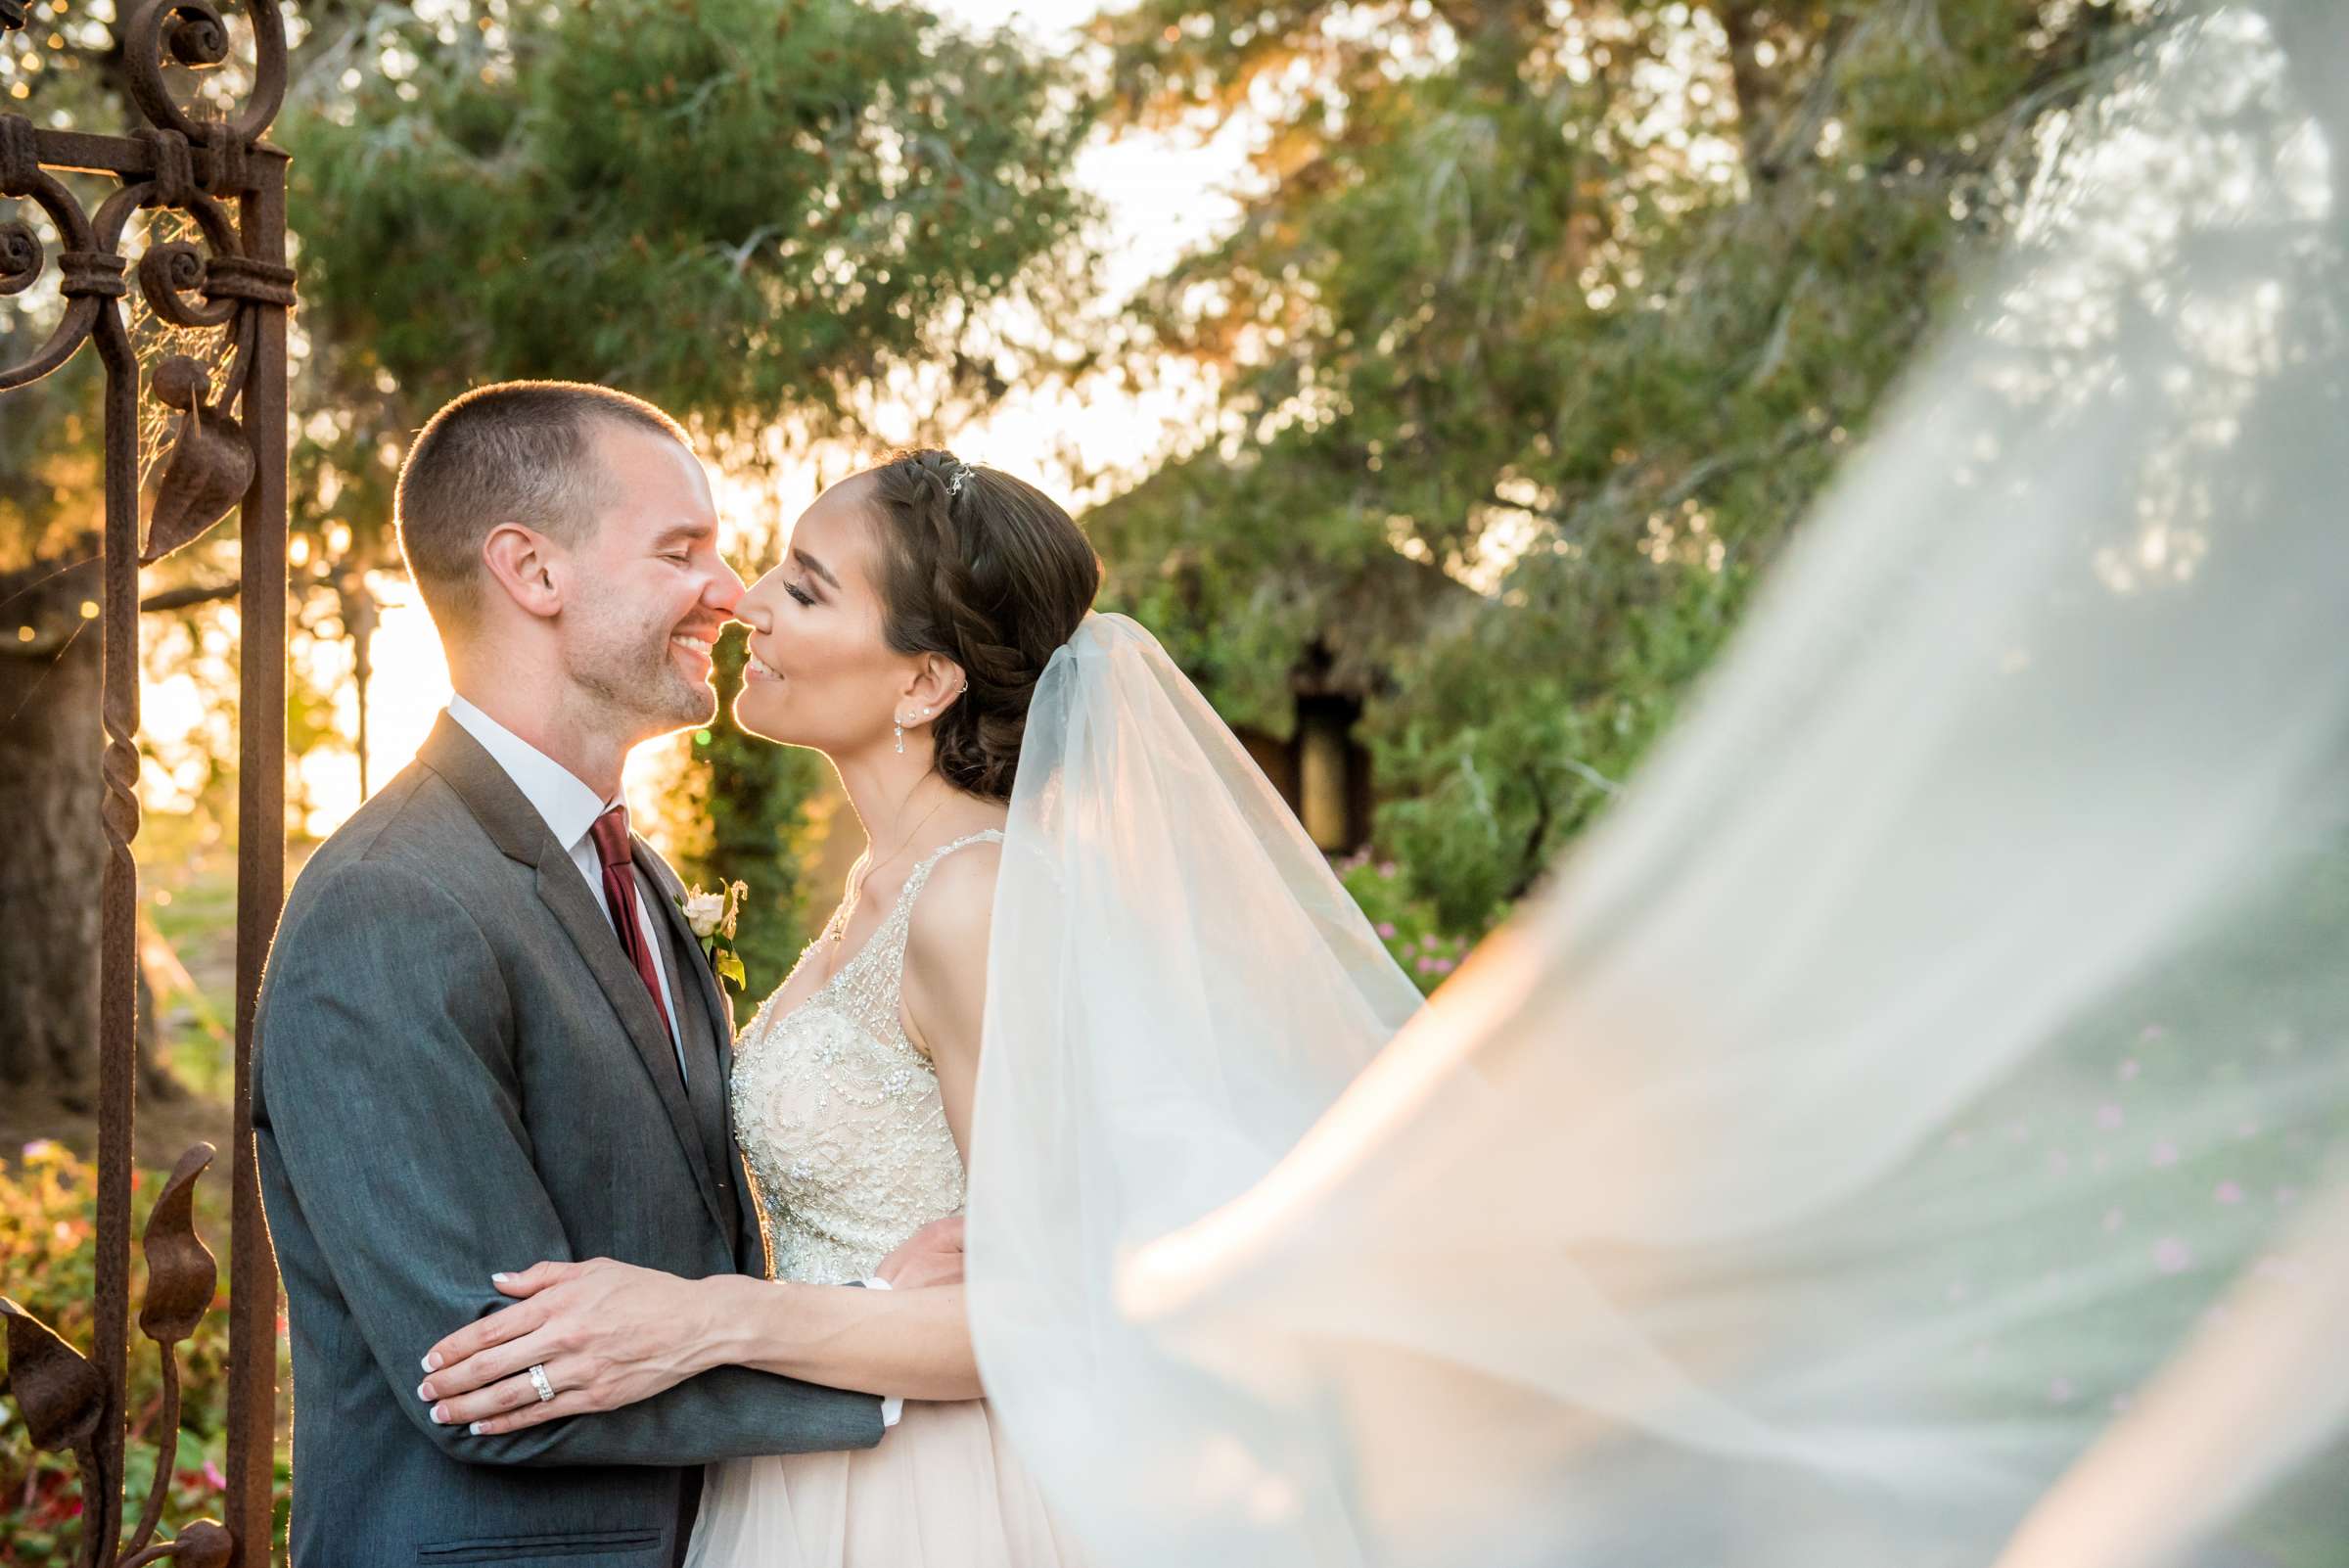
(520, 564)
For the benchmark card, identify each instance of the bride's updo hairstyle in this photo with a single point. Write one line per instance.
(991, 573)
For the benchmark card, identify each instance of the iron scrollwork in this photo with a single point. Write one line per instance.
(227, 449)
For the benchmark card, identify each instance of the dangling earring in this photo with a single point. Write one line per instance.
(900, 729)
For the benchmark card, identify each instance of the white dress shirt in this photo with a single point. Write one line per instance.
(570, 809)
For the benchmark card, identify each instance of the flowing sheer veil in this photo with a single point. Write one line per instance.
(1909, 1133)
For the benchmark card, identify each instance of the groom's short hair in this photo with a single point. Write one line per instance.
(519, 451)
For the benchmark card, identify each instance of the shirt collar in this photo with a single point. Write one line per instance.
(561, 797)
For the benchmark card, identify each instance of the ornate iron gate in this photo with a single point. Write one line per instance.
(228, 451)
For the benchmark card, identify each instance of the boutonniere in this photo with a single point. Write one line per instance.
(710, 917)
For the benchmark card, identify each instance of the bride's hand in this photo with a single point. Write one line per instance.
(606, 1333)
(931, 1256)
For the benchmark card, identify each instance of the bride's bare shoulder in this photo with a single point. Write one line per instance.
(944, 994)
(951, 915)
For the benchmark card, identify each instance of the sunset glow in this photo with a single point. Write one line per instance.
(1160, 194)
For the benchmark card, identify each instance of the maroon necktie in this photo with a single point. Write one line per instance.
(612, 847)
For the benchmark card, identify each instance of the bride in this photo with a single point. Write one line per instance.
(1912, 1132)
(902, 635)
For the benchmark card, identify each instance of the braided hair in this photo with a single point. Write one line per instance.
(989, 572)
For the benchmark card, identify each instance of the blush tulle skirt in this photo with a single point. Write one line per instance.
(943, 1489)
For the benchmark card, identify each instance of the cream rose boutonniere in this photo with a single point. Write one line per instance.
(710, 917)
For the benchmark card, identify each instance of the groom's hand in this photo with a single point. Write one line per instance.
(931, 1256)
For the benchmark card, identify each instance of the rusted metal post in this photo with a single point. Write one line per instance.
(118, 914)
(228, 451)
(261, 887)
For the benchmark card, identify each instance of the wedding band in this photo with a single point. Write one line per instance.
(546, 1390)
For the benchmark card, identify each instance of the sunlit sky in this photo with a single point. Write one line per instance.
(1160, 196)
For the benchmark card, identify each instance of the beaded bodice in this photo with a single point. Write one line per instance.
(839, 1114)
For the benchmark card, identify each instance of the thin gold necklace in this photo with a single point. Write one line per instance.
(848, 907)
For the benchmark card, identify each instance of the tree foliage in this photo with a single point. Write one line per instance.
(745, 210)
(1576, 303)
(750, 214)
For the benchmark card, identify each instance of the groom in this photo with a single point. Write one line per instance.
(486, 1036)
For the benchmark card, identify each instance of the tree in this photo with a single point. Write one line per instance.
(51, 480)
(1580, 304)
(750, 214)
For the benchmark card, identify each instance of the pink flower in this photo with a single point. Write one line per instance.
(2151, 1032)
(2128, 1068)
(2230, 1192)
(214, 1478)
(1427, 966)
(1386, 929)
(2109, 1117)
(1386, 869)
(2171, 1256)
(2165, 1155)
(1444, 966)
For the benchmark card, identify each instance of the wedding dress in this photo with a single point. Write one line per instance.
(840, 1117)
(1912, 1132)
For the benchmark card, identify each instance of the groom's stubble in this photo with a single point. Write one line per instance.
(618, 653)
(620, 610)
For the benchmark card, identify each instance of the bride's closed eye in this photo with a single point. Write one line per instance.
(799, 593)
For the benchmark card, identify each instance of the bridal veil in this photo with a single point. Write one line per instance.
(1911, 1129)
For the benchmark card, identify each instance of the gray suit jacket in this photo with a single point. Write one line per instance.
(460, 1072)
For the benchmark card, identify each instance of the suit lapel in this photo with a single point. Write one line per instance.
(518, 830)
(714, 1001)
(718, 1005)
(705, 1083)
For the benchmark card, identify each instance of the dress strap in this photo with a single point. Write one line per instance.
(921, 872)
(886, 952)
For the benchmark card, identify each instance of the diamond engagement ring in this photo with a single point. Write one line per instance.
(546, 1390)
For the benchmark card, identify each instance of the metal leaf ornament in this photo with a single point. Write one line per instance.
(211, 463)
(60, 1392)
(181, 1275)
